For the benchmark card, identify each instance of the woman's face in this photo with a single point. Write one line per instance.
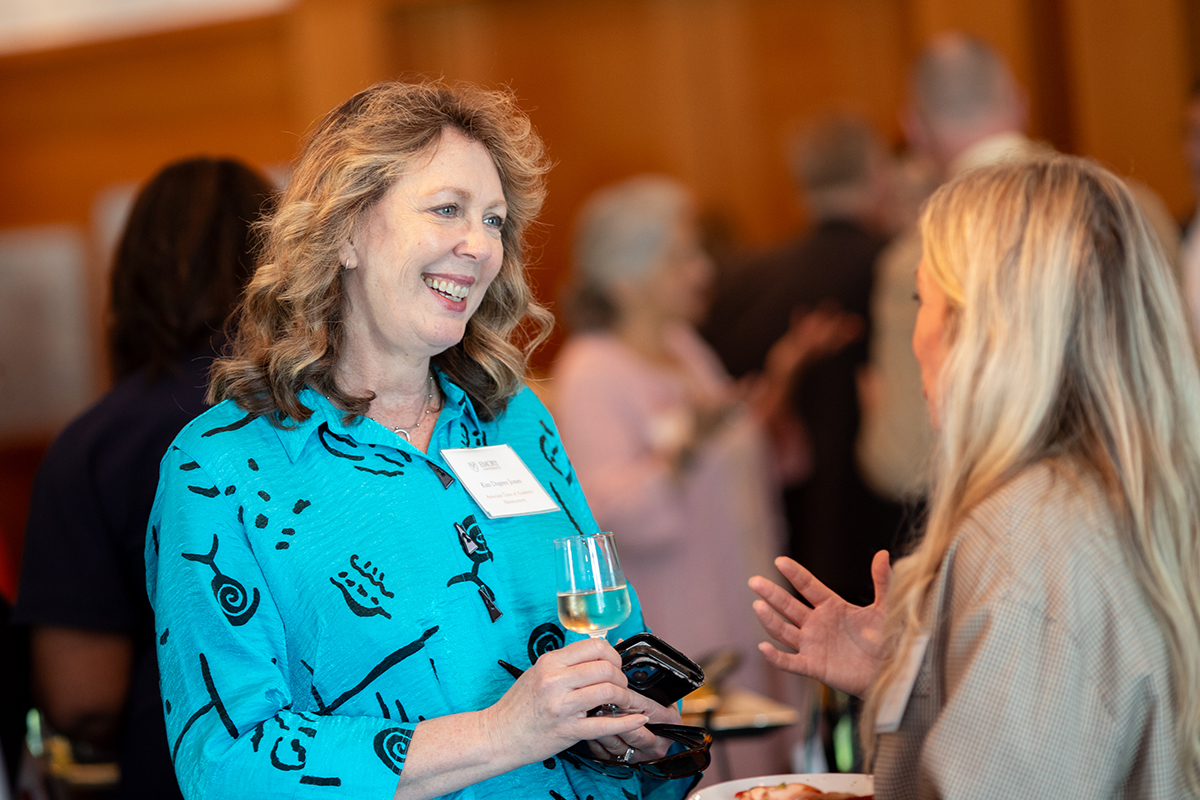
(422, 257)
(929, 341)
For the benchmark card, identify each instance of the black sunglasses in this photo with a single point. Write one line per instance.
(694, 759)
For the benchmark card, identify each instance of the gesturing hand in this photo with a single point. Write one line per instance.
(837, 643)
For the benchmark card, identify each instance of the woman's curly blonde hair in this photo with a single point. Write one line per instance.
(290, 329)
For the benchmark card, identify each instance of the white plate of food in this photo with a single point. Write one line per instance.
(827, 786)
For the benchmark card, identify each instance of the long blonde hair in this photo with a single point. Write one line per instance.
(1068, 340)
(289, 331)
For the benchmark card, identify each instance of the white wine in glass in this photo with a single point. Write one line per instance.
(592, 597)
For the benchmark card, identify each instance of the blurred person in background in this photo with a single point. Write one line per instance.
(842, 173)
(1190, 258)
(965, 111)
(673, 463)
(1043, 637)
(844, 176)
(182, 261)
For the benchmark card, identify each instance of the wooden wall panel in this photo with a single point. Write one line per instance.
(803, 68)
(1128, 77)
(333, 49)
(75, 121)
(1191, 12)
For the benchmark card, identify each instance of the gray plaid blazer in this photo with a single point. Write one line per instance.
(1046, 673)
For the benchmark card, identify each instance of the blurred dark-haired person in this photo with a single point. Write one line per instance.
(183, 260)
(843, 175)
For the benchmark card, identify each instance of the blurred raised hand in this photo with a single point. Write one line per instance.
(811, 336)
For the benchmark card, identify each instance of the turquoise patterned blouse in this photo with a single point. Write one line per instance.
(319, 590)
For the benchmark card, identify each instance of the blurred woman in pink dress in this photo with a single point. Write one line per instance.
(674, 461)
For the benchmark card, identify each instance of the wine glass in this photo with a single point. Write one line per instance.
(592, 597)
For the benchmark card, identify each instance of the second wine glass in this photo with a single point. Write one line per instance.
(592, 596)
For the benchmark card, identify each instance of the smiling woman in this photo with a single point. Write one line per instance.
(397, 640)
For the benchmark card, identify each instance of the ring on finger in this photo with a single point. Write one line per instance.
(627, 757)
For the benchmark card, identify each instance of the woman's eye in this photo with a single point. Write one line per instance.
(446, 211)
(494, 220)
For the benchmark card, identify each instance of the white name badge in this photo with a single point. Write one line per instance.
(891, 710)
(498, 480)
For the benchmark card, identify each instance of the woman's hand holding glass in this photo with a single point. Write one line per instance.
(546, 710)
(641, 740)
(837, 643)
(593, 599)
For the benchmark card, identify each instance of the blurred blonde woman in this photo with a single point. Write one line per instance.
(1043, 640)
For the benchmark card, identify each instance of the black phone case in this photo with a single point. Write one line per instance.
(658, 671)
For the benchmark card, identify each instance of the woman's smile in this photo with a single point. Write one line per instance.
(453, 289)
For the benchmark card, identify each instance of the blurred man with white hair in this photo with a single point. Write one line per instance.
(966, 110)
